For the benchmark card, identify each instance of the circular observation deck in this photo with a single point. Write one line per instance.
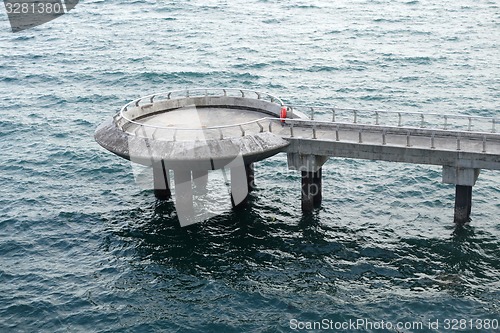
(202, 127)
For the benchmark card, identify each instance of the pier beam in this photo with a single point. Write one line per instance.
(310, 167)
(463, 179)
(161, 181)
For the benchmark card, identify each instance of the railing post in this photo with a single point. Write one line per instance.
(261, 127)
(355, 116)
(377, 122)
(399, 119)
(433, 146)
(333, 115)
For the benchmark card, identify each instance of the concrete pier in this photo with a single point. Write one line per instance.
(463, 179)
(463, 203)
(250, 172)
(195, 130)
(161, 181)
(311, 190)
(310, 167)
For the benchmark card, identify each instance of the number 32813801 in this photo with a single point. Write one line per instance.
(34, 8)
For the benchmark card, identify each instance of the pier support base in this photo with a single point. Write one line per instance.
(161, 181)
(311, 190)
(463, 179)
(463, 203)
(310, 167)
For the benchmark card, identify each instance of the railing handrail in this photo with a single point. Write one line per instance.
(450, 115)
(188, 94)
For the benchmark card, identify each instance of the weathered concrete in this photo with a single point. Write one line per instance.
(311, 189)
(463, 203)
(250, 172)
(161, 181)
(460, 176)
(305, 161)
(310, 167)
(186, 135)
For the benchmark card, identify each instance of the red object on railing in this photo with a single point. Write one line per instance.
(283, 114)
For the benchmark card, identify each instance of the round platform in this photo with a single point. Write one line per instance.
(204, 126)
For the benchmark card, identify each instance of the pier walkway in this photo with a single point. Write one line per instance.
(206, 129)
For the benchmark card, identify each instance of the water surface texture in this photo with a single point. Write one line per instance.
(84, 249)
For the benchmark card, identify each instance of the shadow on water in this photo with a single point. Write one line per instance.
(246, 247)
(256, 248)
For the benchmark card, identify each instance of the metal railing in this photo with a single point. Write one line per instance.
(364, 134)
(122, 119)
(400, 118)
(340, 121)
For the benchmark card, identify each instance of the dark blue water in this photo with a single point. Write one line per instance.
(84, 249)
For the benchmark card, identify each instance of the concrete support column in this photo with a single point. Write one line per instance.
(317, 181)
(161, 181)
(311, 190)
(250, 171)
(184, 196)
(463, 203)
(310, 167)
(463, 179)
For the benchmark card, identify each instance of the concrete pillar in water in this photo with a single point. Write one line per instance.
(318, 182)
(249, 168)
(161, 181)
(463, 179)
(311, 190)
(310, 167)
(463, 203)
